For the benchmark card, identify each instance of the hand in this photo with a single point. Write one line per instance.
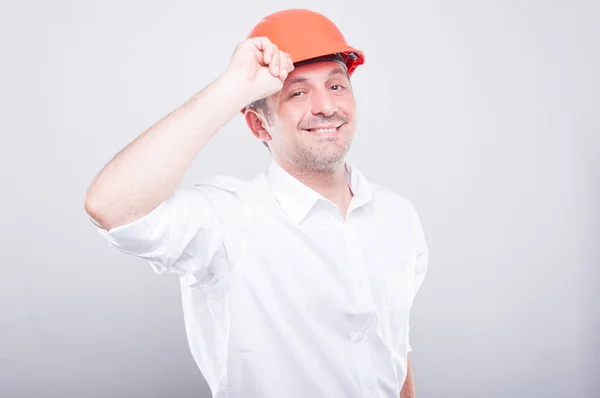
(259, 67)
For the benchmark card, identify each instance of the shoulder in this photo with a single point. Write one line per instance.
(217, 192)
(231, 184)
(220, 183)
(221, 190)
(230, 196)
(392, 200)
(399, 209)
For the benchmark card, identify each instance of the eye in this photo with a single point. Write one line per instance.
(297, 94)
(337, 87)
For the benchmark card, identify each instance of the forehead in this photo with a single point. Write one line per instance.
(318, 71)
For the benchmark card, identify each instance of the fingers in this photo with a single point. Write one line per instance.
(290, 63)
(275, 61)
(286, 65)
(279, 63)
(261, 43)
(273, 58)
(266, 49)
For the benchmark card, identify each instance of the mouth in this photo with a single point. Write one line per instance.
(325, 131)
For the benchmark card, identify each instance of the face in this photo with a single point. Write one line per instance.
(312, 118)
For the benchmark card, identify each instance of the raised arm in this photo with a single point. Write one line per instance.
(147, 171)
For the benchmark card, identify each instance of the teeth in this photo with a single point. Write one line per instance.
(322, 131)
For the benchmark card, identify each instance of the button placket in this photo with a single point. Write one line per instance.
(365, 312)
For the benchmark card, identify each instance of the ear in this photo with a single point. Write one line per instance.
(257, 124)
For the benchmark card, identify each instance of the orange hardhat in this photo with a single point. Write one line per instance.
(305, 34)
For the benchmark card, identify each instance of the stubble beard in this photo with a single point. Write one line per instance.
(311, 160)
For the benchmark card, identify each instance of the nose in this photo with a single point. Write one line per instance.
(322, 102)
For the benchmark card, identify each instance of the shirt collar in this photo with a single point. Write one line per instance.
(298, 199)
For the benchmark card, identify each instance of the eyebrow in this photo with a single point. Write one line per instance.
(337, 71)
(295, 80)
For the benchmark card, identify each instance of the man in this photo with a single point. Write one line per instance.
(299, 282)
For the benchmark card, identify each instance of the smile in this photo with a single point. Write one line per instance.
(325, 130)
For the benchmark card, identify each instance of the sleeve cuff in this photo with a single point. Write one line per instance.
(139, 236)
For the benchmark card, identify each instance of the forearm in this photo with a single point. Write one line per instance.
(147, 171)
(408, 389)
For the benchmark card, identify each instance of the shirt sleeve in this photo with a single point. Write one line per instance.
(421, 261)
(422, 255)
(192, 232)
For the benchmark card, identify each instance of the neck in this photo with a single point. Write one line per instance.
(331, 183)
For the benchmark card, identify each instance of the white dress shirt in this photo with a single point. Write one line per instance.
(282, 297)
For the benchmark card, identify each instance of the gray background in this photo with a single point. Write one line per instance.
(483, 114)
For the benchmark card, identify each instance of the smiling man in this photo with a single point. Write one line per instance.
(298, 282)
(311, 118)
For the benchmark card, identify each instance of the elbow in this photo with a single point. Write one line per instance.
(94, 212)
(96, 209)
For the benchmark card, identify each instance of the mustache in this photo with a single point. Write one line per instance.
(321, 120)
